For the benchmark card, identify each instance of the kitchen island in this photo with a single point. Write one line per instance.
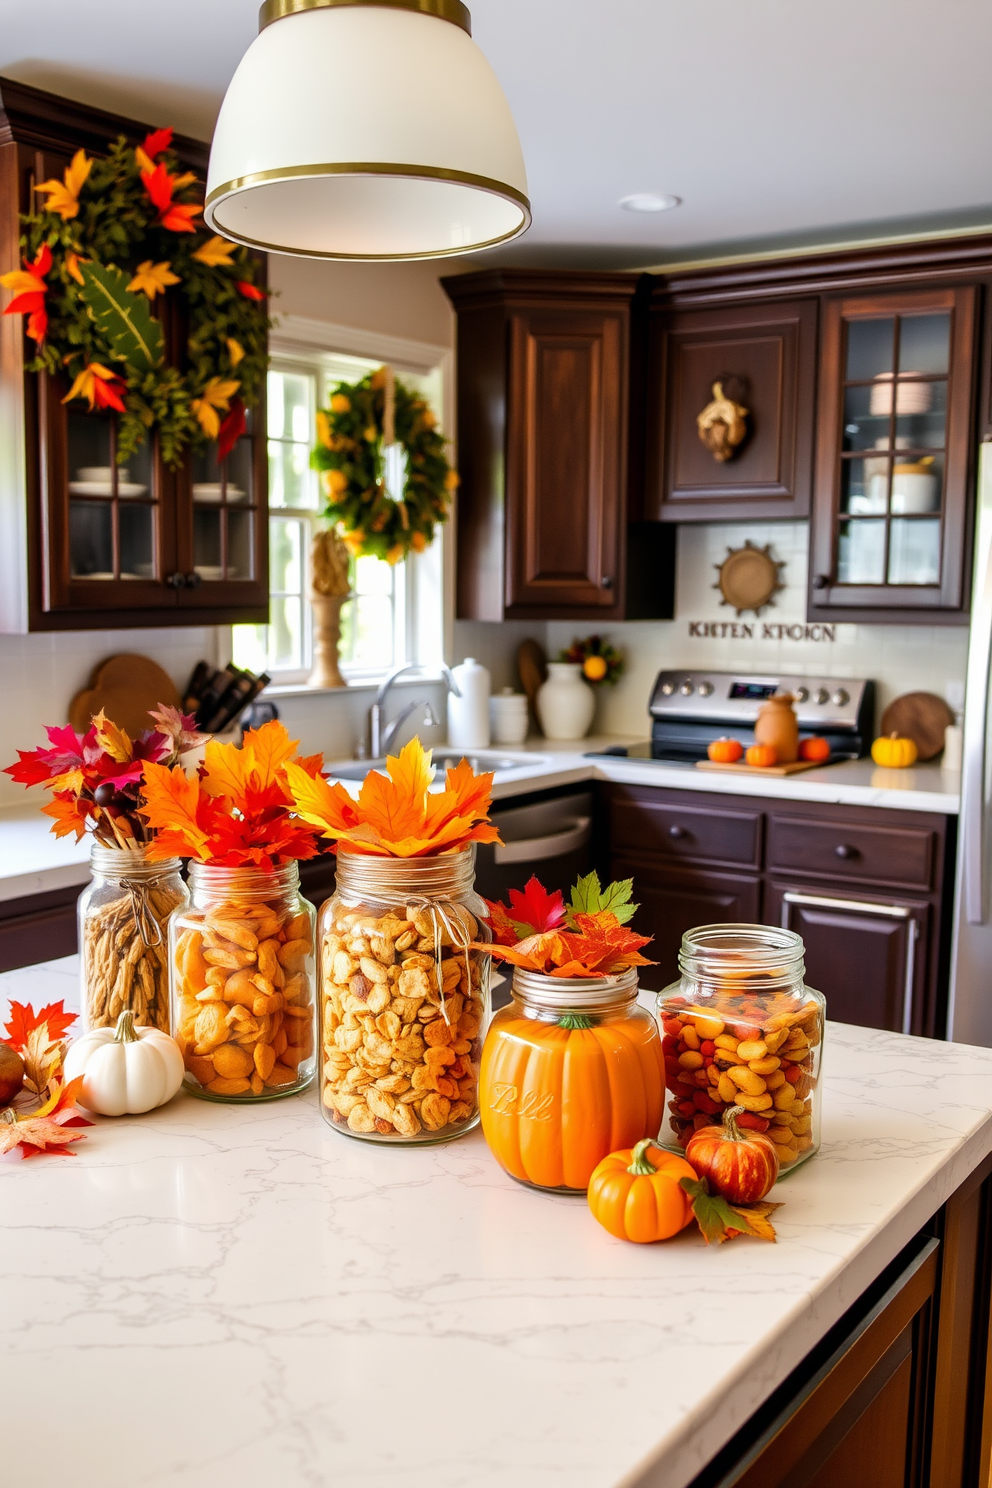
(219, 1295)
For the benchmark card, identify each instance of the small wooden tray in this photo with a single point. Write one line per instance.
(792, 769)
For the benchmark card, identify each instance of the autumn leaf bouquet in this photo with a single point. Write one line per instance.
(586, 938)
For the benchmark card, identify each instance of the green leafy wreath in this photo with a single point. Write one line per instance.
(113, 235)
(362, 419)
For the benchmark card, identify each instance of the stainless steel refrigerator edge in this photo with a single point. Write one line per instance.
(969, 1014)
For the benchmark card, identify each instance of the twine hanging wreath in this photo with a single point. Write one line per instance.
(106, 248)
(363, 422)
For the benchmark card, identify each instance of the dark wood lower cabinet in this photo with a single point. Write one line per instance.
(894, 1396)
(38, 927)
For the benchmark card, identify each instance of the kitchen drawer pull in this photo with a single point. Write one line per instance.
(676, 831)
(537, 849)
(845, 850)
(861, 906)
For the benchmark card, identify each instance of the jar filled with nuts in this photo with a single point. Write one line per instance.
(242, 960)
(404, 997)
(123, 916)
(741, 1028)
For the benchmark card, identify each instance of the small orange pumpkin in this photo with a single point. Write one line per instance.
(636, 1193)
(814, 748)
(762, 755)
(725, 751)
(741, 1166)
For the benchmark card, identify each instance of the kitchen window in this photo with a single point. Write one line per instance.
(396, 614)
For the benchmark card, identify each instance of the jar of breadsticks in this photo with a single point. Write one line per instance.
(404, 997)
(742, 1029)
(123, 916)
(242, 961)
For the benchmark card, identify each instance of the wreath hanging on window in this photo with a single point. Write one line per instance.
(354, 433)
(114, 240)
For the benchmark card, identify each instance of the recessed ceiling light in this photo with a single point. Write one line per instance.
(649, 201)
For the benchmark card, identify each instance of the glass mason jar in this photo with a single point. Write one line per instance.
(404, 1000)
(123, 916)
(242, 966)
(741, 1028)
(571, 1071)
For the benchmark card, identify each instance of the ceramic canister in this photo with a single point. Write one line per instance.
(565, 703)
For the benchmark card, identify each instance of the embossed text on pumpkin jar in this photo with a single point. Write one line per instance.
(741, 1029)
(404, 997)
(242, 960)
(572, 1070)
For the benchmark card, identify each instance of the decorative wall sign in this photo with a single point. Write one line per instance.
(747, 630)
(749, 578)
(722, 425)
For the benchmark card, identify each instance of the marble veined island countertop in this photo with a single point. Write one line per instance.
(214, 1295)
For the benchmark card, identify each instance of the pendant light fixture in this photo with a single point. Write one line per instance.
(368, 129)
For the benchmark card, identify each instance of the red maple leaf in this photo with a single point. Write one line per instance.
(250, 291)
(24, 1020)
(172, 215)
(232, 426)
(157, 141)
(535, 910)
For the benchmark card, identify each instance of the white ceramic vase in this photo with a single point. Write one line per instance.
(565, 703)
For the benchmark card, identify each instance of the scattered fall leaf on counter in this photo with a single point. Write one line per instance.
(397, 815)
(721, 1221)
(52, 1128)
(39, 1038)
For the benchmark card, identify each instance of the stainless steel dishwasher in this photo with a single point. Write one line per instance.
(550, 837)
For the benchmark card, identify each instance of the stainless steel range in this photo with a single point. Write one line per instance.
(690, 709)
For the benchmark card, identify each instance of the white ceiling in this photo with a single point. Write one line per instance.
(778, 122)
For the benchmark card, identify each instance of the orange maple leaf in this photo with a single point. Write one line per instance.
(68, 816)
(23, 1021)
(171, 807)
(397, 815)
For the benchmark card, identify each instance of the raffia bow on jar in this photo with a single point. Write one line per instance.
(404, 964)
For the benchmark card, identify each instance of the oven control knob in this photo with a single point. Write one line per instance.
(705, 688)
(687, 689)
(822, 696)
(667, 688)
(801, 694)
(840, 697)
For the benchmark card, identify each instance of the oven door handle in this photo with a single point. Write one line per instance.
(538, 849)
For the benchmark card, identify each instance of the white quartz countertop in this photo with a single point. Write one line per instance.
(213, 1295)
(32, 861)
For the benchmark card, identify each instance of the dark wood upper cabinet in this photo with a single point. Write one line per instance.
(895, 468)
(544, 513)
(764, 357)
(86, 543)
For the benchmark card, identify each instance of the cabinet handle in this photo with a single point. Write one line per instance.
(193, 580)
(861, 906)
(607, 581)
(676, 831)
(822, 581)
(844, 850)
(176, 581)
(912, 931)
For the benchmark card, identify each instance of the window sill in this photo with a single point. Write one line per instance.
(364, 682)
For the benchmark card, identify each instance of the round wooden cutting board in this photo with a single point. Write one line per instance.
(920, 716)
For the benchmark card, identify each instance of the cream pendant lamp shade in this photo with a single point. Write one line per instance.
(369, 129)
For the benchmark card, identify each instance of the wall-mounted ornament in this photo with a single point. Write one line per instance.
(722, 425)
(749, 578)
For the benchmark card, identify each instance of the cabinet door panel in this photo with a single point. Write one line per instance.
(867, 955)
(672, 901)
(566, 458)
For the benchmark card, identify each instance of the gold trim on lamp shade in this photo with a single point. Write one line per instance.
(373, 168)
(445, 10)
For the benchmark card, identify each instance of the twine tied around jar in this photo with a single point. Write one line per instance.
(148, 926)
(442, 913)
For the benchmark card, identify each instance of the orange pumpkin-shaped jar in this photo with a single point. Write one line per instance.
(572, 1069)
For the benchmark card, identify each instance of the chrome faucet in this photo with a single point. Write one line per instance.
(381, 737)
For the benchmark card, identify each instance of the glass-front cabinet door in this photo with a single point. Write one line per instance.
(893, 461)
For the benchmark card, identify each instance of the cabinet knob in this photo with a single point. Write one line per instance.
(676, 831)
(176, 581)
(822, 581)
(607, 581)
(193, 580)
(844, 850)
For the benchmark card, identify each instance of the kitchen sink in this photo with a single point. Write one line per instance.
(444, 758)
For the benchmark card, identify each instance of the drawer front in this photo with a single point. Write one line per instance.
(681, 832)
(852, 851)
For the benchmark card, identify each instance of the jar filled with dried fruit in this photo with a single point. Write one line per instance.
(123, 917)
(242, 964)
(741, 1028)
(572, 1070)
(404, 997)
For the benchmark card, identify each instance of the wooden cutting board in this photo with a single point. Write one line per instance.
(920, 716)
(125, 687)
(532, 665)
(792, 769)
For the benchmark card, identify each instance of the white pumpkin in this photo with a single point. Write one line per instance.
(125, 1070)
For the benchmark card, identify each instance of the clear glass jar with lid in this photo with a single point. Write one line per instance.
(404, 997)
(572, 1070)
(123, 917)
(741, 1028)
(242, 964)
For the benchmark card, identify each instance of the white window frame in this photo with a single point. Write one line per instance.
(301, 344)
